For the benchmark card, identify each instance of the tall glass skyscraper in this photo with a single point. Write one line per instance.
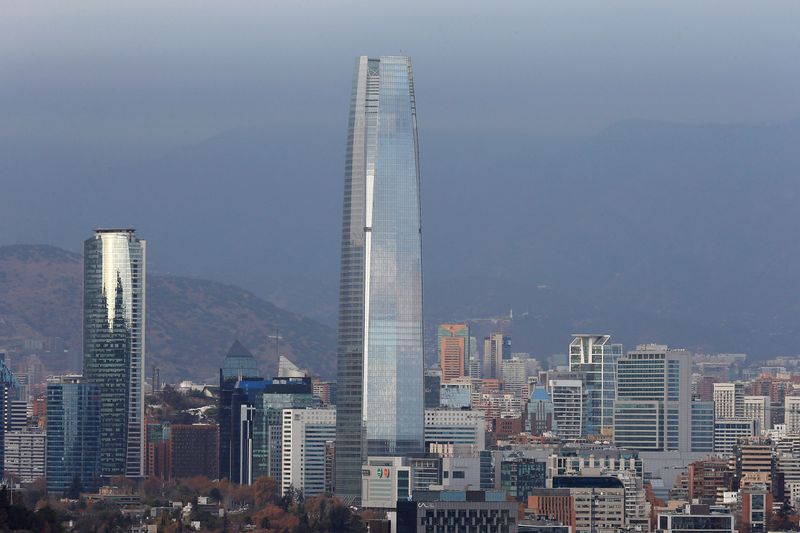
(380, 359)
(113, 344)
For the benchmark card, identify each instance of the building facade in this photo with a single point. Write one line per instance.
(306, 435)
(380, 335)
(73, 434)
(114, 344)
(652, 409)
(194, 450)
(455, 426)
(25, 454)
(454, 353)
(594, 358)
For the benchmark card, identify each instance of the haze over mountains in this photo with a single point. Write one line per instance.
(190, 322)
(650, 231)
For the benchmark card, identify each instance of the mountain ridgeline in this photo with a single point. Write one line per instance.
(190, 322)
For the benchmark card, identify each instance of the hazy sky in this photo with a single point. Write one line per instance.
(185, 70)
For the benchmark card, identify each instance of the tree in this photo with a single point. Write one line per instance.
(266, 490)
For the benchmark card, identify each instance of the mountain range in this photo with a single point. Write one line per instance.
(190, 322)
(683, 234)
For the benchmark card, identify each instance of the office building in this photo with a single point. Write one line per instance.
(753, 459)
(791, 414)
(446, 511)
(475, 363)
(73, 434)
(652, 409)
(454, 353)
(569, 398)
(385, 481)
(758, 408)
(598, 502)
(25, 454)
(194, 450)
(239, 364)
(380, 338)
(496, 348)
(702, 430)
(515, 377)
(728, 400)
(306, 435)
(457, 394)
(10, 388)
(158, 460)
(694, 517)
(594, 358)
(432, 384)
(540, 412)
(114, 274)
(727, 433)
(455, 426)
(520, 475)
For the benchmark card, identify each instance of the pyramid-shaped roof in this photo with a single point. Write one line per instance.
(237, 349)
(239, 363)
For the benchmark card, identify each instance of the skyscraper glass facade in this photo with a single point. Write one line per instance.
(73, 433)
(594, 358)
(380, 354)
(113, 344)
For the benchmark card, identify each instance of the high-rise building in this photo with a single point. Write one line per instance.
(113, 344)
(702, 432)
(307, 434)
(568, 398)
(594, 358)
(267, 436)
(455, 426)
(474, 370)
(791, 414)
(454, 353)
(380, 338)
(9, 391)
(728, 400)
(758, 408)
(540, 412)
(652, 409)
(728, 432)
(193, 450)
(73, 433)
(520, 475)
(515, 377)
(239, 364)
(24, 454)
(496, 348)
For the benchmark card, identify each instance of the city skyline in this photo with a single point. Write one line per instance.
(607, 264)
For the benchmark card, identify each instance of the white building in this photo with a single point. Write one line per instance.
(728, 400)
(25, 453)
(384, 480)
(791, 409)
(455, 426)
(515, 376)
(652, 410)
(456, 393)
(305, 433)
(568, 397)
(758, 408)
(727, 433)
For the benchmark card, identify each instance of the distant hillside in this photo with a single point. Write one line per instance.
(190, 322)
